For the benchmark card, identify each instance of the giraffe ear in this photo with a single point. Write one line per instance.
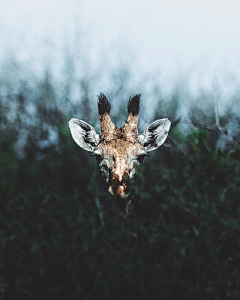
(83, 134)
(155, 134)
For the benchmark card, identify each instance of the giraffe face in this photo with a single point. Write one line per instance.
(119, 151)
(118, 162)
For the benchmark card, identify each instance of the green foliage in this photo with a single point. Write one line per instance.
(62, 236)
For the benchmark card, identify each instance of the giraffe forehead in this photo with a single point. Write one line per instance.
(120, 148)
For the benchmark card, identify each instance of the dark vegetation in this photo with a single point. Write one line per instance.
(63, 237)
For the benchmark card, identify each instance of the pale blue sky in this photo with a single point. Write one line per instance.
(167, 35)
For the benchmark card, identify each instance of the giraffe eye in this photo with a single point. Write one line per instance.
(104, 167)
(141, 157)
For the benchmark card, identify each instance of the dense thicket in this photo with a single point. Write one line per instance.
(63, 237)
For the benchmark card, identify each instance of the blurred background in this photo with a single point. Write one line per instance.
(62, 236)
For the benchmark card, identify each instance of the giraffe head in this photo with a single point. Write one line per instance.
(119, 151)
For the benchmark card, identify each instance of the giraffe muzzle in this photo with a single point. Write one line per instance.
(120, 188)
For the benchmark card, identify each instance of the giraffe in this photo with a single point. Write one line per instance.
(119, 151)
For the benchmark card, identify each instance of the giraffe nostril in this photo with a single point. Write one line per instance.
(115, 181)
(125, 178)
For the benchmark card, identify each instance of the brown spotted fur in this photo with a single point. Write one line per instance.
(120, 145)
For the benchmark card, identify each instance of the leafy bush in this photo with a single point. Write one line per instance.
(63, 237)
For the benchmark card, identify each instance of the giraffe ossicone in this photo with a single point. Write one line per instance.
(119, 151)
